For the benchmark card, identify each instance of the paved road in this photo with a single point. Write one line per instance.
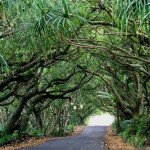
(90, 139)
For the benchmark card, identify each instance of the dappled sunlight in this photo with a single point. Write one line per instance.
(101, 120)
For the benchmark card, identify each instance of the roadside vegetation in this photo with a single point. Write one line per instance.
(63, 60)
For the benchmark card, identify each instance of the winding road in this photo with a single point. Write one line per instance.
(91, 138)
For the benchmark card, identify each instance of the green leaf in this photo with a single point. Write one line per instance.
(66, 10)
(4, 65)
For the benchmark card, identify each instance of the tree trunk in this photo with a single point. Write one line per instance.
(118, 127)
(38, 118)
(15, 117)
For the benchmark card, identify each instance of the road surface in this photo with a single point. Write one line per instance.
(91, 138)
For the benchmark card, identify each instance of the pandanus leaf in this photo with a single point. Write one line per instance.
(4, 66)
(66, 10)
(104, 95)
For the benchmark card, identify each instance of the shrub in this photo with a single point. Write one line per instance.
(70, 128)
(5, 139)
(37, 133)
(135, 131)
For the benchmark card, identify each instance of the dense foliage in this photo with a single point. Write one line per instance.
(62, 60)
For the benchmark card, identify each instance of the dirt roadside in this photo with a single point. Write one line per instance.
(114, 142)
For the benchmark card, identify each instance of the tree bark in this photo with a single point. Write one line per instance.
(14, 118)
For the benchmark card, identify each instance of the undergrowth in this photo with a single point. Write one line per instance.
(135, 131)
